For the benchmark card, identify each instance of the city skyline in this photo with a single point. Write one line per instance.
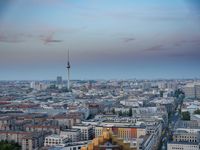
(107, 39)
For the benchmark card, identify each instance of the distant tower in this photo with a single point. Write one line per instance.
(68, 73)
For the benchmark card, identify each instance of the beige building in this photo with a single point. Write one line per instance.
(33, 141)
(109, 141)
(183, 136)
(40, 128)
(15, 136)
(67, 120)
(124, 132)
(28, 140)
(197, 88)
(186, 136)
(192, 90)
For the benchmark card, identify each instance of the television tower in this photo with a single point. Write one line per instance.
(68, 73)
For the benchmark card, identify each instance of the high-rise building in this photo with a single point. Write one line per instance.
(197, 91)
(192, 90)
(38, 86)
(189, 91)
(59, 80)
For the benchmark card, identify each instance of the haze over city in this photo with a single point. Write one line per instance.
(99, 75)
(108, 39)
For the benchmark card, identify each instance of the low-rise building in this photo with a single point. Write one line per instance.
(86, 131)
(33, 141)
(39, 128)
(74, 135)
(15, 136)
(54, 139)
(186, 136)
(124, 132)
(109, 141)
(182, 146)
(71, 146)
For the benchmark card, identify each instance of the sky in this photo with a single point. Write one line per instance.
(108, 39)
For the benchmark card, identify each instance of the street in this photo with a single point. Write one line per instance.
(168, 131)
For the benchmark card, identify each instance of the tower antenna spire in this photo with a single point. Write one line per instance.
(68, 54)
(68, 72)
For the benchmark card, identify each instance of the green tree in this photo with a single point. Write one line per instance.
(185, 115)
(120, 113)
(179, 93)
(130, 112)
(197, 111)
(125, 113)
(53, 86)
(5, 145)
(161, 93)
(169, 114)
(113, 111)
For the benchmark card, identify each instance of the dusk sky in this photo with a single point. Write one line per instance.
(108, 39)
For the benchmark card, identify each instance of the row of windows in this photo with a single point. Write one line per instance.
(53, 140)
(186, 137)
(75, 148)
(181, 147)
(186, 140)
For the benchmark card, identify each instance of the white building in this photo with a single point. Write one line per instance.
(86, 131)
(72, 134)
(38, 86)
(186, 136)
(54, 139)
(190, 106)
(145, 142)
(72, 145)
(131, 102)
(182, 146)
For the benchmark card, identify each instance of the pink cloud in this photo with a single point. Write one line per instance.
(49, 38)
(11, 38)
(128, 39)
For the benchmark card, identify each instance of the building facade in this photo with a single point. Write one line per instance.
(53, 140)
(183, 146)
(72, 134)
(86, 131)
